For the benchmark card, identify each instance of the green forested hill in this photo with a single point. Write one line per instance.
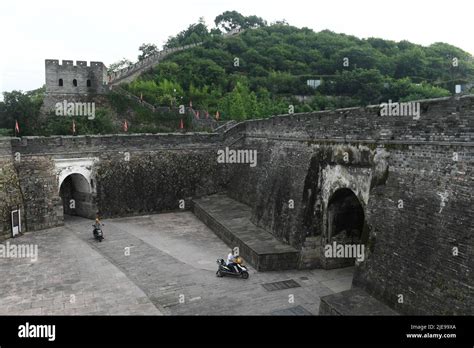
(275, 61)
(259, 72)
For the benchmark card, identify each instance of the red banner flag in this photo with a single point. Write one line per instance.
(125, 126)
(181, 125)
(197, 114)
(17, 127)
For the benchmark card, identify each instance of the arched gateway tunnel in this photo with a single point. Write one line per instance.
(346, 229)
(76, 186)
(345, 217)
(400, 187)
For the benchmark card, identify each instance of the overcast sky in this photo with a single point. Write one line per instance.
(35, 30)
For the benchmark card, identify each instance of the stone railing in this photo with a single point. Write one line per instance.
(225, 126)
(148, 62)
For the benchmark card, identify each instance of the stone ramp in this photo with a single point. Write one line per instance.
(353, 302)
(230, 220)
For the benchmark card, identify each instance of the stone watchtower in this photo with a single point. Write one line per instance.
(74, 83)
(80, 79)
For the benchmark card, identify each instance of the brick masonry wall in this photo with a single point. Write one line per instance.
(293, 170)
(162, 170)
(10, 193)
(81, 72)
(156, 181)
(97, 144)
(43, 208)
(48, 108)
(444, 119)
(412, 247)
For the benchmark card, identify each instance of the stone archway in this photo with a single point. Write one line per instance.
(76, 186)
(76, 195)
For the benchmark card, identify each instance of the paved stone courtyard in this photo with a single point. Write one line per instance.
(149, 265)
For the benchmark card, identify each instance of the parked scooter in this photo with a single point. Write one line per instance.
(238, 269)
(98, 234)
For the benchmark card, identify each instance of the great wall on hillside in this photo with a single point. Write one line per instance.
(400, 186)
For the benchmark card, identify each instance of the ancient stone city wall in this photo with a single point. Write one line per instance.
(425, 163)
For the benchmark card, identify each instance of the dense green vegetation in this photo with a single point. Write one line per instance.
(261, 72)
(24, 107)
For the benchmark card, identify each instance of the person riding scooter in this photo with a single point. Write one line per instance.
(231, 260)
(232, 267)
(98, 230)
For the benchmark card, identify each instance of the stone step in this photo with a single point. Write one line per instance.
(230, 221)
(353, 302)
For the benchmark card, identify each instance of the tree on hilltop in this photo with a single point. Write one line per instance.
(147, 50)
(119, 65)
(195, 33)
(230, 20)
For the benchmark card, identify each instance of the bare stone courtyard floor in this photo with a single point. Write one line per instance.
(160, 264)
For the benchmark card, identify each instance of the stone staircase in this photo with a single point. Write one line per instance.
(230, 221)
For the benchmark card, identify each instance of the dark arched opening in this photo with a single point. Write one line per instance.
(76, 196)
(60, 82)
(345, 227)
(89, 84)
(74, 83)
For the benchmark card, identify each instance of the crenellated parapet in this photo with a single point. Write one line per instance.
(65, 77)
